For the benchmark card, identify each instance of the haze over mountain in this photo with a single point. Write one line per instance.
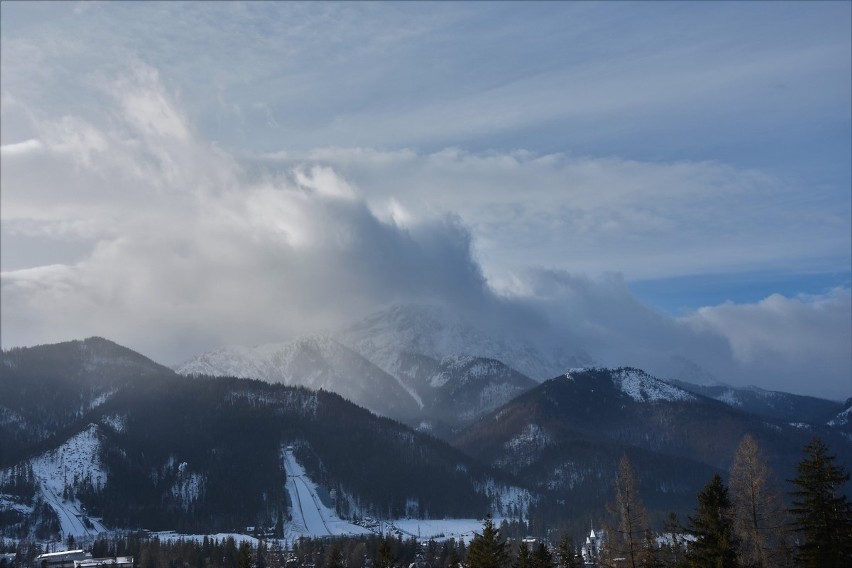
(414, 363)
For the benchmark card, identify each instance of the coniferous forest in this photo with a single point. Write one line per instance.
(746, 522)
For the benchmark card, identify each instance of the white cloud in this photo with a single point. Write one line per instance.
(25, 147)
(793, 341)
(189, 247)
(798, 344)
(585, 214)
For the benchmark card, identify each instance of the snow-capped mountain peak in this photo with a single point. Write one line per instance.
(316, 362)
(637, 384)
(438, 332)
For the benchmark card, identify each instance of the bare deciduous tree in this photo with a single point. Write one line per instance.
(757, 506)
(626, 541)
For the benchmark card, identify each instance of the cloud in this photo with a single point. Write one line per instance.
(792, 341)
(17, 148)
(188, 246)
(191, 247)
(798, 344)
(591, 214)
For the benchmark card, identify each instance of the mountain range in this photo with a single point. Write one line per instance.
(421, 364)
(411, 412)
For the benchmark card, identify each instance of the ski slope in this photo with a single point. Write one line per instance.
(313, 519)
(310, 516)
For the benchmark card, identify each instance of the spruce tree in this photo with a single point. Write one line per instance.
(712, 528)
(542, 557)
(821, 512)
(567, 553)
(488, 550)
(385, 559)
(244, 555)
(524, 558)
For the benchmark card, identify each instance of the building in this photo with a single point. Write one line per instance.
(591, 549)
(116, 562)
(65, 559)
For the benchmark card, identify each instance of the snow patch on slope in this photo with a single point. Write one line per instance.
(188, 487)
(642, 387)
(117, 422)
(101, 399)
(730, 398)
(9, 416)
(78, 459)
(507, 500)
(842, 418)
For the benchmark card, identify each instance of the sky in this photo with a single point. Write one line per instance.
(669, 185)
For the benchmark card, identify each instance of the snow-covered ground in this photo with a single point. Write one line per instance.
(77, 458)
(439, 529)
(310, 516)
(171, 536)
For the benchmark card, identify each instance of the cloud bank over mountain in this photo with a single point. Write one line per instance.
(172, 245)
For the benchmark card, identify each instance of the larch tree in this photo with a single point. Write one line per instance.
(626, 534)
(758, 510)
(822, 515)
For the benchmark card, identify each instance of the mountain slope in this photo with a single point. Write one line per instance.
(315, 362)
(419, 364)
(204, 454)
(437, 332)
(47, 389)
(773, 404)
(567, 434)
(464, 387)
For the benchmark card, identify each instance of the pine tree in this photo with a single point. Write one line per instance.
(712, 529)
(487, 550)
(822, 513)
